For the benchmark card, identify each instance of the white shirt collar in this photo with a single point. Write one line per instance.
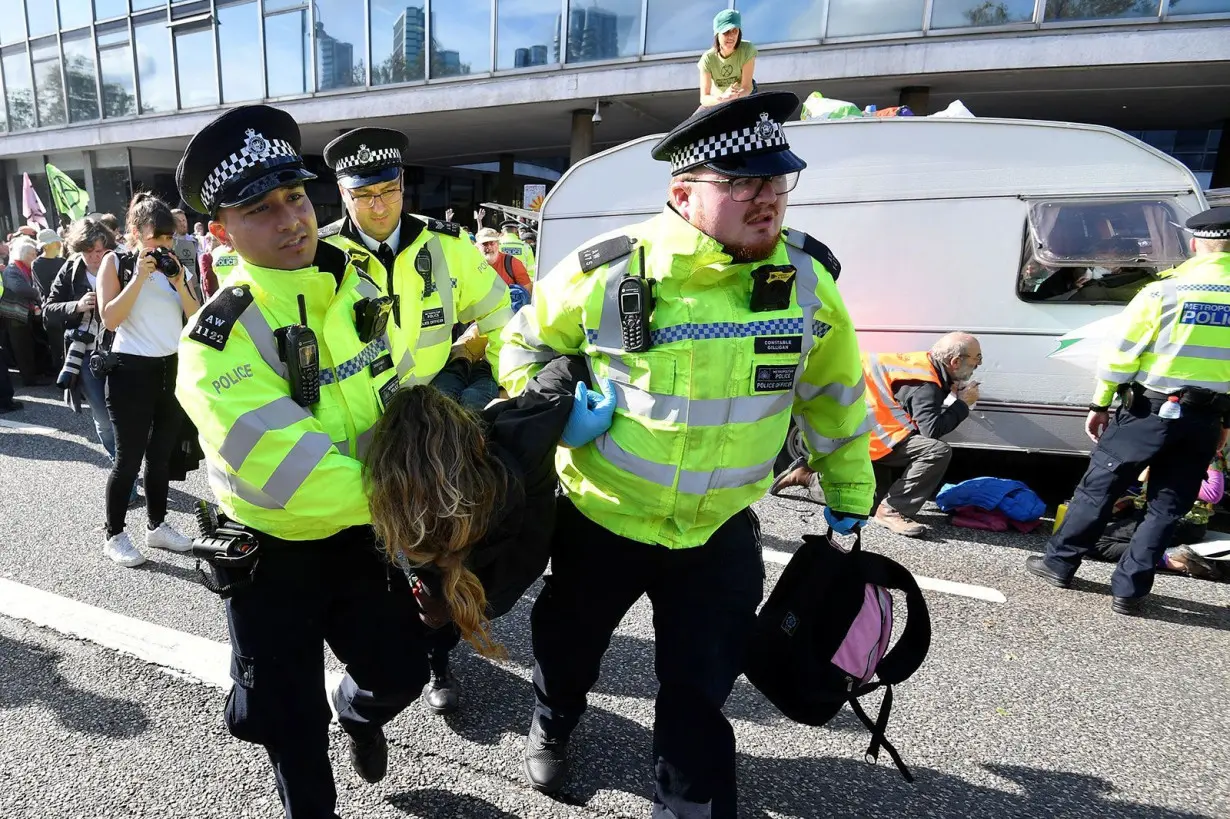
(394, 240)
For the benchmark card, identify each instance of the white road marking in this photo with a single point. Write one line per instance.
(207, 661)
(929, 583)
(23, 427)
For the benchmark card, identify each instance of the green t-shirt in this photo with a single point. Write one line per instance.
(726, 71)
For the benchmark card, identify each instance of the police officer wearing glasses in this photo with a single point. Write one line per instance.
(1170, 367)
(715, 326)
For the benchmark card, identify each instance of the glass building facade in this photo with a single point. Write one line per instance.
(64, 62)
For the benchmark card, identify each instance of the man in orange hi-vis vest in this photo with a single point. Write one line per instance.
(906, 395)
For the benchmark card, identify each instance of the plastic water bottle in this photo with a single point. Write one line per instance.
(1171, 409)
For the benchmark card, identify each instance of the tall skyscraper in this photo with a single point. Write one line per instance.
(409, 39)
(334, 61)
(526, 57)
(593, 34)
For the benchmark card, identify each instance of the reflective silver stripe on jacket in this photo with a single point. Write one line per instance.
(1162, 383)
(224, 483)
(661, 474)
(246, 432)
(495, 321)
(1104, 374)
(880, 383)
(516, 353)
(728, 477)
(704, 412)
(297, 467)
(486, 304)
(610, 338)
(1174, 348)
(823, 445)
(444, 283)
(843, 395)
(258, 329)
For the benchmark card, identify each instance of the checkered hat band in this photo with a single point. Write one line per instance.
(382, 156)
(280, 152)
(733, 143)
(1223, 233)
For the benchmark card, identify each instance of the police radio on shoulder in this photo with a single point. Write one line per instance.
(635, 306)
(300, 353)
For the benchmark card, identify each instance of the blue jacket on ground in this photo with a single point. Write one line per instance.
(1013, 498)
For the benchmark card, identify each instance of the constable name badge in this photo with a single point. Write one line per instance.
(387, 392)
(770, 378)
(766, 345)
(433, 317)
(1206, 314)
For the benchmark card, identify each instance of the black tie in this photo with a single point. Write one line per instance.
(385, 254)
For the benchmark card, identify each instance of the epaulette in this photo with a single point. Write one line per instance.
(436, 226)
(331, 229)
(605, 252)
(215, 320)
(815, 248)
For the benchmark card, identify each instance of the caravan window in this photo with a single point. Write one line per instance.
(1099, 251)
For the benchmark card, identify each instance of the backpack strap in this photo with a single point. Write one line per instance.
(877, 732)
(509, 278)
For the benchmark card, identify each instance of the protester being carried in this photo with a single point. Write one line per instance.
(726, 69)
(144, 299)
(466, 503)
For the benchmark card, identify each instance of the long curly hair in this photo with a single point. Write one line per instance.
(434, 489)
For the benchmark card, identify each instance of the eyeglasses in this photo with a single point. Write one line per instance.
(747, 188)
(368, 201)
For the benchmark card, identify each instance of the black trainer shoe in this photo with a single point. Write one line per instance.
(1036, 565)
(370, 756)
(546, 760)
(444, 695)
(1127, 605)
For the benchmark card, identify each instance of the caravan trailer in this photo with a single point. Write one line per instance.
(1018, 231)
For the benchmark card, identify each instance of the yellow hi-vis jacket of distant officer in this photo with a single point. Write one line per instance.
(1173, 333)
(515, 246)
(439, 279)
(225, 260)
(704, 413)
(273, 465)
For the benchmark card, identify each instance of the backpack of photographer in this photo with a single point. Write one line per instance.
(823, 638)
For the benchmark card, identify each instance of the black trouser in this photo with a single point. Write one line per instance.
(146, 419)
(342, 591)
(440, 643)
(23, 348)
(704, 608)
(1177, 452)
(6, 383)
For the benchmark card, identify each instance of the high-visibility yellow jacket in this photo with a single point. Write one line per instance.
(289, 471)
(1175, 333)
(703, 414)
(439, 279)
(515, 246)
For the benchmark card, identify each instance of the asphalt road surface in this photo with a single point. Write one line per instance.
(1046, 705)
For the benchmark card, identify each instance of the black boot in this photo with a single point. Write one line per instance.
(370, 756)
(444, 694)
(546, 760)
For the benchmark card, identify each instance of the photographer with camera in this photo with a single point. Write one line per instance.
(144, 299)
(71, 310)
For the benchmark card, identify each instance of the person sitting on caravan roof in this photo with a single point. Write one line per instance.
(908, 395)
(726, 69)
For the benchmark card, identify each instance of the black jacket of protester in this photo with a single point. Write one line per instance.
(523, 434)
(924, 401)
(60, 305)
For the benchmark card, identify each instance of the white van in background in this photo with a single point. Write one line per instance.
(1017, 231)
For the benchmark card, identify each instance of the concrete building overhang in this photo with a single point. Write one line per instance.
(1127, 77)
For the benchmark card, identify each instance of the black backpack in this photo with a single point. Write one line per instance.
(824, 633)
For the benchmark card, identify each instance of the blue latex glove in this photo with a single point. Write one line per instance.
(591, 415)
(841, 524)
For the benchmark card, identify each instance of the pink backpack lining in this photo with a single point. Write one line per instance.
(866, 642)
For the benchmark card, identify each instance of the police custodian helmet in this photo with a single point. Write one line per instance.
(743, 137)
(1213, 223)
(239, 157)
(367, 156)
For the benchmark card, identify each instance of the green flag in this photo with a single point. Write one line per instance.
(68, 197)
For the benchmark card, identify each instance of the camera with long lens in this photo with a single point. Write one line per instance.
(165, 261)
(80, 343)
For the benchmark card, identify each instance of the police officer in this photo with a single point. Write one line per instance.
(1171, 369)
(437, 279)
(715, 325)
(512, 243)
(436, 276)
(284, 415)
